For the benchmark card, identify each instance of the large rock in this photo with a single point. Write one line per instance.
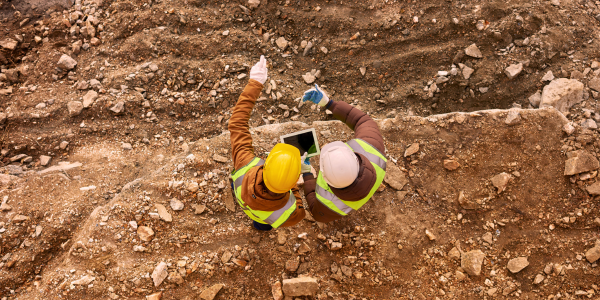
(66, 62)
(160, 273)
(515, 265)
(75, 108)
(211, 292)
(594, 189)
(395, 177)
(593, 254)
(580, 161)
(471, 262)
(562, 93)
(303, 286)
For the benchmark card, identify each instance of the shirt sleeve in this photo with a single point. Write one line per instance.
(365, 128)
(241, 140)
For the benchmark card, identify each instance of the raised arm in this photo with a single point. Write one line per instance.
(365, 128)
(241, 140)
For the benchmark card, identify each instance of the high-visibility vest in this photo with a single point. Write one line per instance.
(340, 206)
(273, 218)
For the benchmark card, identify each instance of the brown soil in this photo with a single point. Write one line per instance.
(87, 232)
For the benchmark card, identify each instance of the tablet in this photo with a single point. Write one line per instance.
(305, 141)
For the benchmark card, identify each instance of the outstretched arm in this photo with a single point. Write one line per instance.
(241, 140)
(365, 128)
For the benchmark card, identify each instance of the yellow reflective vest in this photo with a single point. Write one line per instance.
(273, 218)
(340, 206)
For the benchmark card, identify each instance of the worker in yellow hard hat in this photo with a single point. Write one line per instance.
(266, 190)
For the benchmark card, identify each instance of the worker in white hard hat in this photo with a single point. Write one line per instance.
(351, 172)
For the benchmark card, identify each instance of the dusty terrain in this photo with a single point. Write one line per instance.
(92, 152)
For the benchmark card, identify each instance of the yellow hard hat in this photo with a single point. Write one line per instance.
(282, 168)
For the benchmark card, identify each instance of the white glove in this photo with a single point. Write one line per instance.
(304, 164)
(259, 71)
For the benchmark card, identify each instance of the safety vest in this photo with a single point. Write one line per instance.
(342, 207)
(273, 218)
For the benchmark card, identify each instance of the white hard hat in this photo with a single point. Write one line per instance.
(339, 165)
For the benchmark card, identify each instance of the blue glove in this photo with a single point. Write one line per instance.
(316, 95)
(304, 164)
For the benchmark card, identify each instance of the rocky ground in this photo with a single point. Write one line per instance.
(115, 155)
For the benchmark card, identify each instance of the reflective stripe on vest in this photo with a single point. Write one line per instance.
(342, 207)
(273, 218)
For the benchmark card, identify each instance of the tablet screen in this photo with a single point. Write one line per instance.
(305, 142)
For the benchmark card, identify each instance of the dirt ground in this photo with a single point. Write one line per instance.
(166, 74)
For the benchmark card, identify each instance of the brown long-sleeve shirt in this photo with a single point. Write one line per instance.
(366, 129)
(254, 192)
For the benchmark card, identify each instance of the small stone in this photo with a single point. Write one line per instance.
(66, 62)
(292, 265)
(538, 279)
(127, 146)
(594, 84)
(75, 108)
(303, 249)
(252, 4)
(467, 72)
(226, 256)
(324, 50)
(9, 44)
(515, 265)
(193, 187)
(594, 189)
(5, 207)
(45, 160)
(548, 76)
(303, 286)
(145, 233)
(568, 128)
(20, 218)
(176, 205)
(395, 177)
(225, 33)
(513, 70)
(500, 181)
(336, 246)
(118, 108)
(471, 262)
(430, 235)
(309, 78)
(211, 292)
(219, 158)
(282, 43)
(277, 291)
(163, 213)
(160, 273)
(473, 51)
(460, 276)
(580, 161)
(85, 280)
(465, 202)
(89, 98)
(451, 164)
(535, 99)
(488, 238)
(589, 124)
(199, 208)
(155, 296)
(454, 253)
(363, 71)
(593, 254)
(412, 149)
